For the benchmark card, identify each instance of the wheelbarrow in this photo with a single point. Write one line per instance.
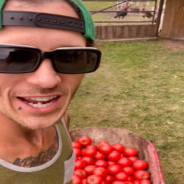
(146, 150)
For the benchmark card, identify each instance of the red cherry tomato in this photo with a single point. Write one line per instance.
(128, 182)
(100, 171)
(130, 178)
(121, 176)
(133, 158)
(81, 173)
(79, 164)
(109, 178)
(124, 162)
(105, 149)
(135, 182)
(89, 152)
(88, 160)
(77, 151)
(130, 152)
(105, 182)
(76, 145)
(84, 140)
(93, 179)
(145, 182)
(129, 170)
(140, 165)
(90, 168)
(102, 143)
(114, 155)
(91, 147)
(114, 169)
(101, 163)
(118, 182)
(84, 181)
(78, 158)
(76, 179)
(111, 162)
(122, 155)
(118, 147)
(141, 175)
(99, 156)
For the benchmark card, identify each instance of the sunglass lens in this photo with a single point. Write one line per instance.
(16, 60)
(76, 61)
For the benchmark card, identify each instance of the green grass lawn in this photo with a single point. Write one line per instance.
(139, 86)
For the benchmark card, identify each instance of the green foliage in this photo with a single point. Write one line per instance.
(139, 86)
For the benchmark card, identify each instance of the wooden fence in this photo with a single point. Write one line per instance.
(125, 28)
(113, 32)
(173, 23)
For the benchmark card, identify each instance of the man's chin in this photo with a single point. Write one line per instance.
(38, 126)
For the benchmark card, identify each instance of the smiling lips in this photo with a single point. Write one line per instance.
(40, 102)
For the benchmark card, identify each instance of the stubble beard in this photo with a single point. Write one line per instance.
(27, 124)
(15, 117)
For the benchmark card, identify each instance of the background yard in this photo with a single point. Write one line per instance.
(109, 6)
(140, 87)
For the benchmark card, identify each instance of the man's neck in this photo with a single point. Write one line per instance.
(24, 147)
(42, 157)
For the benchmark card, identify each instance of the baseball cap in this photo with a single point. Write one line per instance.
(35, 19)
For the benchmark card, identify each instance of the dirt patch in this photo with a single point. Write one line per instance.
(175, 45)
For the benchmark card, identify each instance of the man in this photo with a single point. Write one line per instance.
(44, 55)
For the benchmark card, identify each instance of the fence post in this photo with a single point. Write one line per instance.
(159, 16)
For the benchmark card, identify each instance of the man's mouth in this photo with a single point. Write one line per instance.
(39, 102)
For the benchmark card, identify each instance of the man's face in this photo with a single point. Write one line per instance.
(42, 95)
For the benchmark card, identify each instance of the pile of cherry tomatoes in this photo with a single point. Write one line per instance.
(107, 164)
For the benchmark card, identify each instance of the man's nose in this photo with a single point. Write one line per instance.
(45, 75)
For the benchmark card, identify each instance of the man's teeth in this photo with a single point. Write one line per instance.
(41, 102)
(42, 99)
(40, 105)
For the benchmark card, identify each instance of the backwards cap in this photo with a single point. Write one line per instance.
(89, 24)
(34, 19)
(1, 7)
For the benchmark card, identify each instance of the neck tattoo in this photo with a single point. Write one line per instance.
(43, 157)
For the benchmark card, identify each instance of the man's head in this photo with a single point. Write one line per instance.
(38, 98)
(83, 13)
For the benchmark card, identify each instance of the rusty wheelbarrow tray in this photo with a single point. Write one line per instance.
(146, 149)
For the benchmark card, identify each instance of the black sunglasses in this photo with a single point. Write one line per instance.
(16, 59)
